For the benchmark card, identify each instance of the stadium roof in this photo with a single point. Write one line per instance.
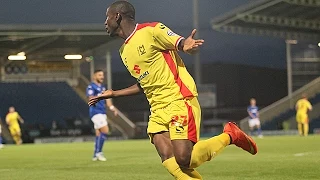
(50, 41)
(289, 19)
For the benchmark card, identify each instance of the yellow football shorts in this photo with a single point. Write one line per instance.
(302, 118)
(181, 119)
(15, 129)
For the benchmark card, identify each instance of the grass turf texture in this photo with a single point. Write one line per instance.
(285, 158)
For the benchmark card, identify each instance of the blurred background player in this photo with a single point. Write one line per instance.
(98, 114)
(12, 120)
(254, 121)
(302, 108)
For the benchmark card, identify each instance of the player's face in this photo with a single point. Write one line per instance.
(253, 102)
(111, 24)
(11, 109)
(99, 77)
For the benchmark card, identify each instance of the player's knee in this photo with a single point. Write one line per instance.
(104, 129)
(165, 157)
(183, 160)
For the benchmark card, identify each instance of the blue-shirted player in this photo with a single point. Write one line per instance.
(98, 114)
(254, 121)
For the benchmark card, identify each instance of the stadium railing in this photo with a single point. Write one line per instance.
(284, 104)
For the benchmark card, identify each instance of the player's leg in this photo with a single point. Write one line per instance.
(300, 129)
(192, 156)
(13, 134)
(101, 127)
(103, 136)
(163, 146)
(159, 136)
(18, 134)
(258, 126)
(299, 124)
(251, 127)
(184, 133)
(306, 126)
(96, 145)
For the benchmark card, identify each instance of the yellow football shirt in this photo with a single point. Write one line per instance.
(303, 105)
(151, 56)
(13, 118)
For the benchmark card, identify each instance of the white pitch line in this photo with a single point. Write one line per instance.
(302, 154)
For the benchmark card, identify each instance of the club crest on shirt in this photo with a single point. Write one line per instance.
(90, 92)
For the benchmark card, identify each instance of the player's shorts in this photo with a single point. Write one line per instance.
(254, 122)
(302, 118)
(181, 119)
(15, 129)
(99, 120)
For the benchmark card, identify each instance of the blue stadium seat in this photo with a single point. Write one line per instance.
(41, 103)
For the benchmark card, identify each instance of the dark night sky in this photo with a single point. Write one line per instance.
(177, 14)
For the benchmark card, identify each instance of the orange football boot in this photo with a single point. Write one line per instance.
(240, 139)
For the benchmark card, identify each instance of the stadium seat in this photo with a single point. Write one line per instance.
(41, 103)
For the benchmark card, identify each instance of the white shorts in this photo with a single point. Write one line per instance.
(99, 120)
(254, 122)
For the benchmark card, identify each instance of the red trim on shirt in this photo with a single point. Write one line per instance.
(177, 43)
(183, 88)
(140, 26)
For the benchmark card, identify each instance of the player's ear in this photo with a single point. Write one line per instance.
(118, 18)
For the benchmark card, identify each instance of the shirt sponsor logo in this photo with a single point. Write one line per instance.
(143, 76)
(137, 69)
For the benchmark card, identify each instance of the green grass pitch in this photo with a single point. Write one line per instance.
(279, 158)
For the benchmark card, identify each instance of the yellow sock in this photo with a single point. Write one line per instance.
(305, 129)
(179, 174)
(16, 139)
(300, 128)
(206, 150)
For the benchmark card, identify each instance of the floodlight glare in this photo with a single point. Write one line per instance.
(73, 56)
(17, 57)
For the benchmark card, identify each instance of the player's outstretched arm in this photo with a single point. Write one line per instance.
(132, 90)
(7, 120)
(190, 45)
(20, 119)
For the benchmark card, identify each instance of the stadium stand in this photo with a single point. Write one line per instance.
(43, 102)
(284, 108)
(284, 19)
(289, 115)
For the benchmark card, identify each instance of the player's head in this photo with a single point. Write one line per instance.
(98, 76)
(117, 13)
(252, 101)
(11, 109)
(304, 96)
